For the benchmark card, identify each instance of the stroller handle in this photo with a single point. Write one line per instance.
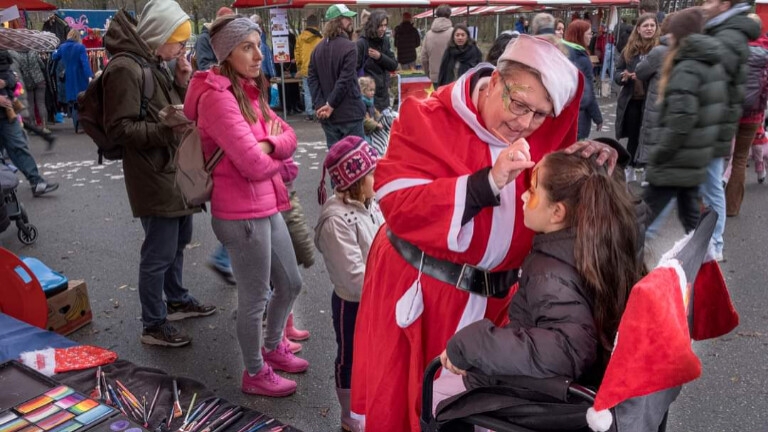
(426, 393)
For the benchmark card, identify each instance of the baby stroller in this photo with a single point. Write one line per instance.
(11, 209)
(524, 404)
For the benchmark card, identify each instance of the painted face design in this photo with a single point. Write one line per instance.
(533, 197)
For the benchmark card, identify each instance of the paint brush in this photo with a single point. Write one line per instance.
(189, 410)
(176, 405)
(96, 393)
(262, 425)
(152, 405)
(205, 419)
(214, 424)
(232, 419)
(107, 396)
(116, 400)
(251, 423)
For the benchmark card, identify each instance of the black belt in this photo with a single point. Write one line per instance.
(465, 277)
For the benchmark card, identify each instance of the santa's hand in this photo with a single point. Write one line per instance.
(588, 148)
(511, 162)
(448, 365)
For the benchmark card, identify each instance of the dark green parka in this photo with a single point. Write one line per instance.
(692, 115)
(733, 29)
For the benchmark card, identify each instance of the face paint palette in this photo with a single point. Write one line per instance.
(59, 392)
(20, 383)
(69, 401)
(119, 423)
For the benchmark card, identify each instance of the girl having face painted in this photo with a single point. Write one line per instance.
(573, 285)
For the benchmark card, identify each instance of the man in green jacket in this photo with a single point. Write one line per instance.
(148, 153)
(727, 21)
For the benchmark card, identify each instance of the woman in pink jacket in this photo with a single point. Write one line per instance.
(229, 104)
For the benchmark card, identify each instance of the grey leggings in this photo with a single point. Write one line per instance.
(260, 249)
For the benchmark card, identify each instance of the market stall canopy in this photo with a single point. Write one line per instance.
(27, 5)
(352, 3)
(496, 7)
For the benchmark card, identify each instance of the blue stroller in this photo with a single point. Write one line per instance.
(524, 404)
(11, 209)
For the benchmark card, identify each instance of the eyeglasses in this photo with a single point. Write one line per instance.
(518, 108)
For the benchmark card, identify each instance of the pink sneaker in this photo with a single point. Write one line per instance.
(294, 347)
(282, 359)
(267, 383)
(294, 334)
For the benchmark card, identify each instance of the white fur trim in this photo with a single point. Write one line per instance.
(502, 223)
(474, 310)
(399, 184)
(43, 361)
(459, 104)
(559, 76)
(410, 306)
(599, 421)
(670, 254)
(459, 237)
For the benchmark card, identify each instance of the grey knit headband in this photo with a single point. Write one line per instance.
(226, 39)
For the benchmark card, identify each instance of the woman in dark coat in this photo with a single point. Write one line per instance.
(461, 55)
(577, 38)
(375, 56)
(631, 103)
(77, 70)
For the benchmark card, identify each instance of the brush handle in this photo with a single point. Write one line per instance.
(229, 422)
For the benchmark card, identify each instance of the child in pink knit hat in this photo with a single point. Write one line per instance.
(348, 223)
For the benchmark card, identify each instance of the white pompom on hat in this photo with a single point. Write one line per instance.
(559, 76)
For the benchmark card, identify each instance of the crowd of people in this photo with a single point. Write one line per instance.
(423, 246)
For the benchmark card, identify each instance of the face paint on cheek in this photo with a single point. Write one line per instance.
(533, 197)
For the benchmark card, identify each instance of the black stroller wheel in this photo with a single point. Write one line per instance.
(27, 234)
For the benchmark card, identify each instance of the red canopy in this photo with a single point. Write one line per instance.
(27, 5)
(359, 3)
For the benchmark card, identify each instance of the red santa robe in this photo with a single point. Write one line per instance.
(405, 319)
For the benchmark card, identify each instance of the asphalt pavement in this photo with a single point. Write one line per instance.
(86, 231)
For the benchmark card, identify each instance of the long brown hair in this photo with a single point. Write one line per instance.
(683, 24)
(601, 211)
(333, 28)
(246, 108)
(636, 45)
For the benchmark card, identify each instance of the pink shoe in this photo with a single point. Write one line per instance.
(293, 333)
(282, 359)
(267, 383)
(294, 347)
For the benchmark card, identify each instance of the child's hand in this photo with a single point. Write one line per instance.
(448, 365)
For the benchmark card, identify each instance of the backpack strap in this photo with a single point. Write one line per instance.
(147, 82)
(216, 157)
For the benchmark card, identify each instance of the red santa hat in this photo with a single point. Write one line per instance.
(653, 344)
(51, 361)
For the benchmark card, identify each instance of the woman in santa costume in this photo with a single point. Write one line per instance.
(450, 188)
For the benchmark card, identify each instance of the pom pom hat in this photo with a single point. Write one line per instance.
(559, 76)
(348, 161)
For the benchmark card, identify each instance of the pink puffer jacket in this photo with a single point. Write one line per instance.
(247, 183)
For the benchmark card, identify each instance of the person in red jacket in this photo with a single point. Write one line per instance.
(449, 188)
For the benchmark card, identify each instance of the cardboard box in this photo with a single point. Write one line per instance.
(69, 310)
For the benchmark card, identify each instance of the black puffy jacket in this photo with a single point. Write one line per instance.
(551, 331)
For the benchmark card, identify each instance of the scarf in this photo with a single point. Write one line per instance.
(368, 101)
(464, 56)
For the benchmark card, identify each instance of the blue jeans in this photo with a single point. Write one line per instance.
(308, 108)
(14, 141)
(658, 223)
(220, 259)
(714, 196)
(334, 132)
(162, 264)
(608, 62)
